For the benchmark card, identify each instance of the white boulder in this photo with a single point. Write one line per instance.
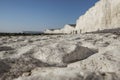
(107, 60)
(62, 53)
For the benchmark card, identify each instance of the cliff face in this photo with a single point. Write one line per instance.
(104, 15)
(68, 29)
(53, 31)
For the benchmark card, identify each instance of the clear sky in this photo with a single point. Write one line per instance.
(37, 15)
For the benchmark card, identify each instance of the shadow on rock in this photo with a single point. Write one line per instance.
(16, 67)
(4, 68)
(5, 48)
(80, 53)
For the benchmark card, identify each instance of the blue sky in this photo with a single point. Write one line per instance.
(37, 15)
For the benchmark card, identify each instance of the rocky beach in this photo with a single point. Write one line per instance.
(60, 57)
(87, 50)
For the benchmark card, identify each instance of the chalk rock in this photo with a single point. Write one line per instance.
(68, 74)
(107, 60)
(62, 52)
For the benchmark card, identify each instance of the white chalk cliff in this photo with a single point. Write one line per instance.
(67, 29)
(104, 15)
(53, 31)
